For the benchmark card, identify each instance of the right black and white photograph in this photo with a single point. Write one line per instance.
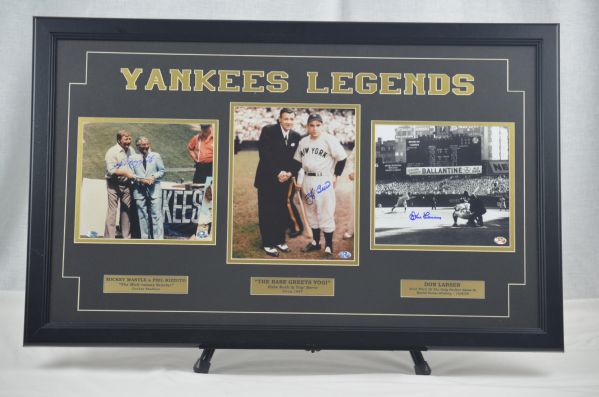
(442, 186)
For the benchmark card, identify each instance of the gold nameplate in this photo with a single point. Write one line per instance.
(446, 289)
(136, 284)
(293, 286)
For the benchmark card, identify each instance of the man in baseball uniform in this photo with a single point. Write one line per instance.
(322, 159)
(402, 200)
(502, 205)
(351, 170)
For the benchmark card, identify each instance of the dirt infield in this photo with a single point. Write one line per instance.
(246, 234)
(399, 228)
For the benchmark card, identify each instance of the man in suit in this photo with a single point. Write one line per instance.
(148, 168)
(276, 147)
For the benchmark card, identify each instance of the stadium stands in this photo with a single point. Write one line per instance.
(248, 122)
(487, 185)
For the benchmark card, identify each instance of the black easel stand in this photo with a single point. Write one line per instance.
(420, 366)
(202, 366)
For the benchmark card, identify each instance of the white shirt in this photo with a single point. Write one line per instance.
(285, 133)
(118, 158)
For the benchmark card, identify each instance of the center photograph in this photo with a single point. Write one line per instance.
(293, 184)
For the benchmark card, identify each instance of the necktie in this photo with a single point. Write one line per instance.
(144, 162)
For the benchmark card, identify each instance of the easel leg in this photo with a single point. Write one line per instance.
(420, 366)
(202, 366)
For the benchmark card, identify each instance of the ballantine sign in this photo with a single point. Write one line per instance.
(457, 170)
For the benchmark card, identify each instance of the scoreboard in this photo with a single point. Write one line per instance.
(451, 155)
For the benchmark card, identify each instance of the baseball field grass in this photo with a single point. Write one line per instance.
(246, 242)
(170, 140)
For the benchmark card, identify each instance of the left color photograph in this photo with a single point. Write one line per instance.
(146, 181)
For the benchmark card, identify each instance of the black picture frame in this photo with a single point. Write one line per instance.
(48, 32)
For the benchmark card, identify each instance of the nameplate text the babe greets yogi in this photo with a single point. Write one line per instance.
(277, 81)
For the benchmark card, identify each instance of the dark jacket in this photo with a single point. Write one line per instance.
(477, 206)
(275, 156)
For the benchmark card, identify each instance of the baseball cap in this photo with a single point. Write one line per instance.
(205, 126)
(314, 116)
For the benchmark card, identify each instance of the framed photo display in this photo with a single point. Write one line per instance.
(295, 185)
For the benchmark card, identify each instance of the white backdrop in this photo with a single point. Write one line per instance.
(579, 106)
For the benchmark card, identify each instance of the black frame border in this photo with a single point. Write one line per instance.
(47, 31)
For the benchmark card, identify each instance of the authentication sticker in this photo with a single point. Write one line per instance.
(345, 255)
(499, 240)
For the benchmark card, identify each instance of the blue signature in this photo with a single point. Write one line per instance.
(311, 195)
(427, 215)
(132, 163)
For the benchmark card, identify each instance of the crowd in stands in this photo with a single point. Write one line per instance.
(248, 122)
(435, 139)
(487, 185)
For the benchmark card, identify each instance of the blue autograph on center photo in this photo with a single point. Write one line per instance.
(311, 195)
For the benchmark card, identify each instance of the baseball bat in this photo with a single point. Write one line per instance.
(290, 198)
(307, 228)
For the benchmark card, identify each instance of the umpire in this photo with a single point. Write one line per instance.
(477, 210)
(276, 147)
